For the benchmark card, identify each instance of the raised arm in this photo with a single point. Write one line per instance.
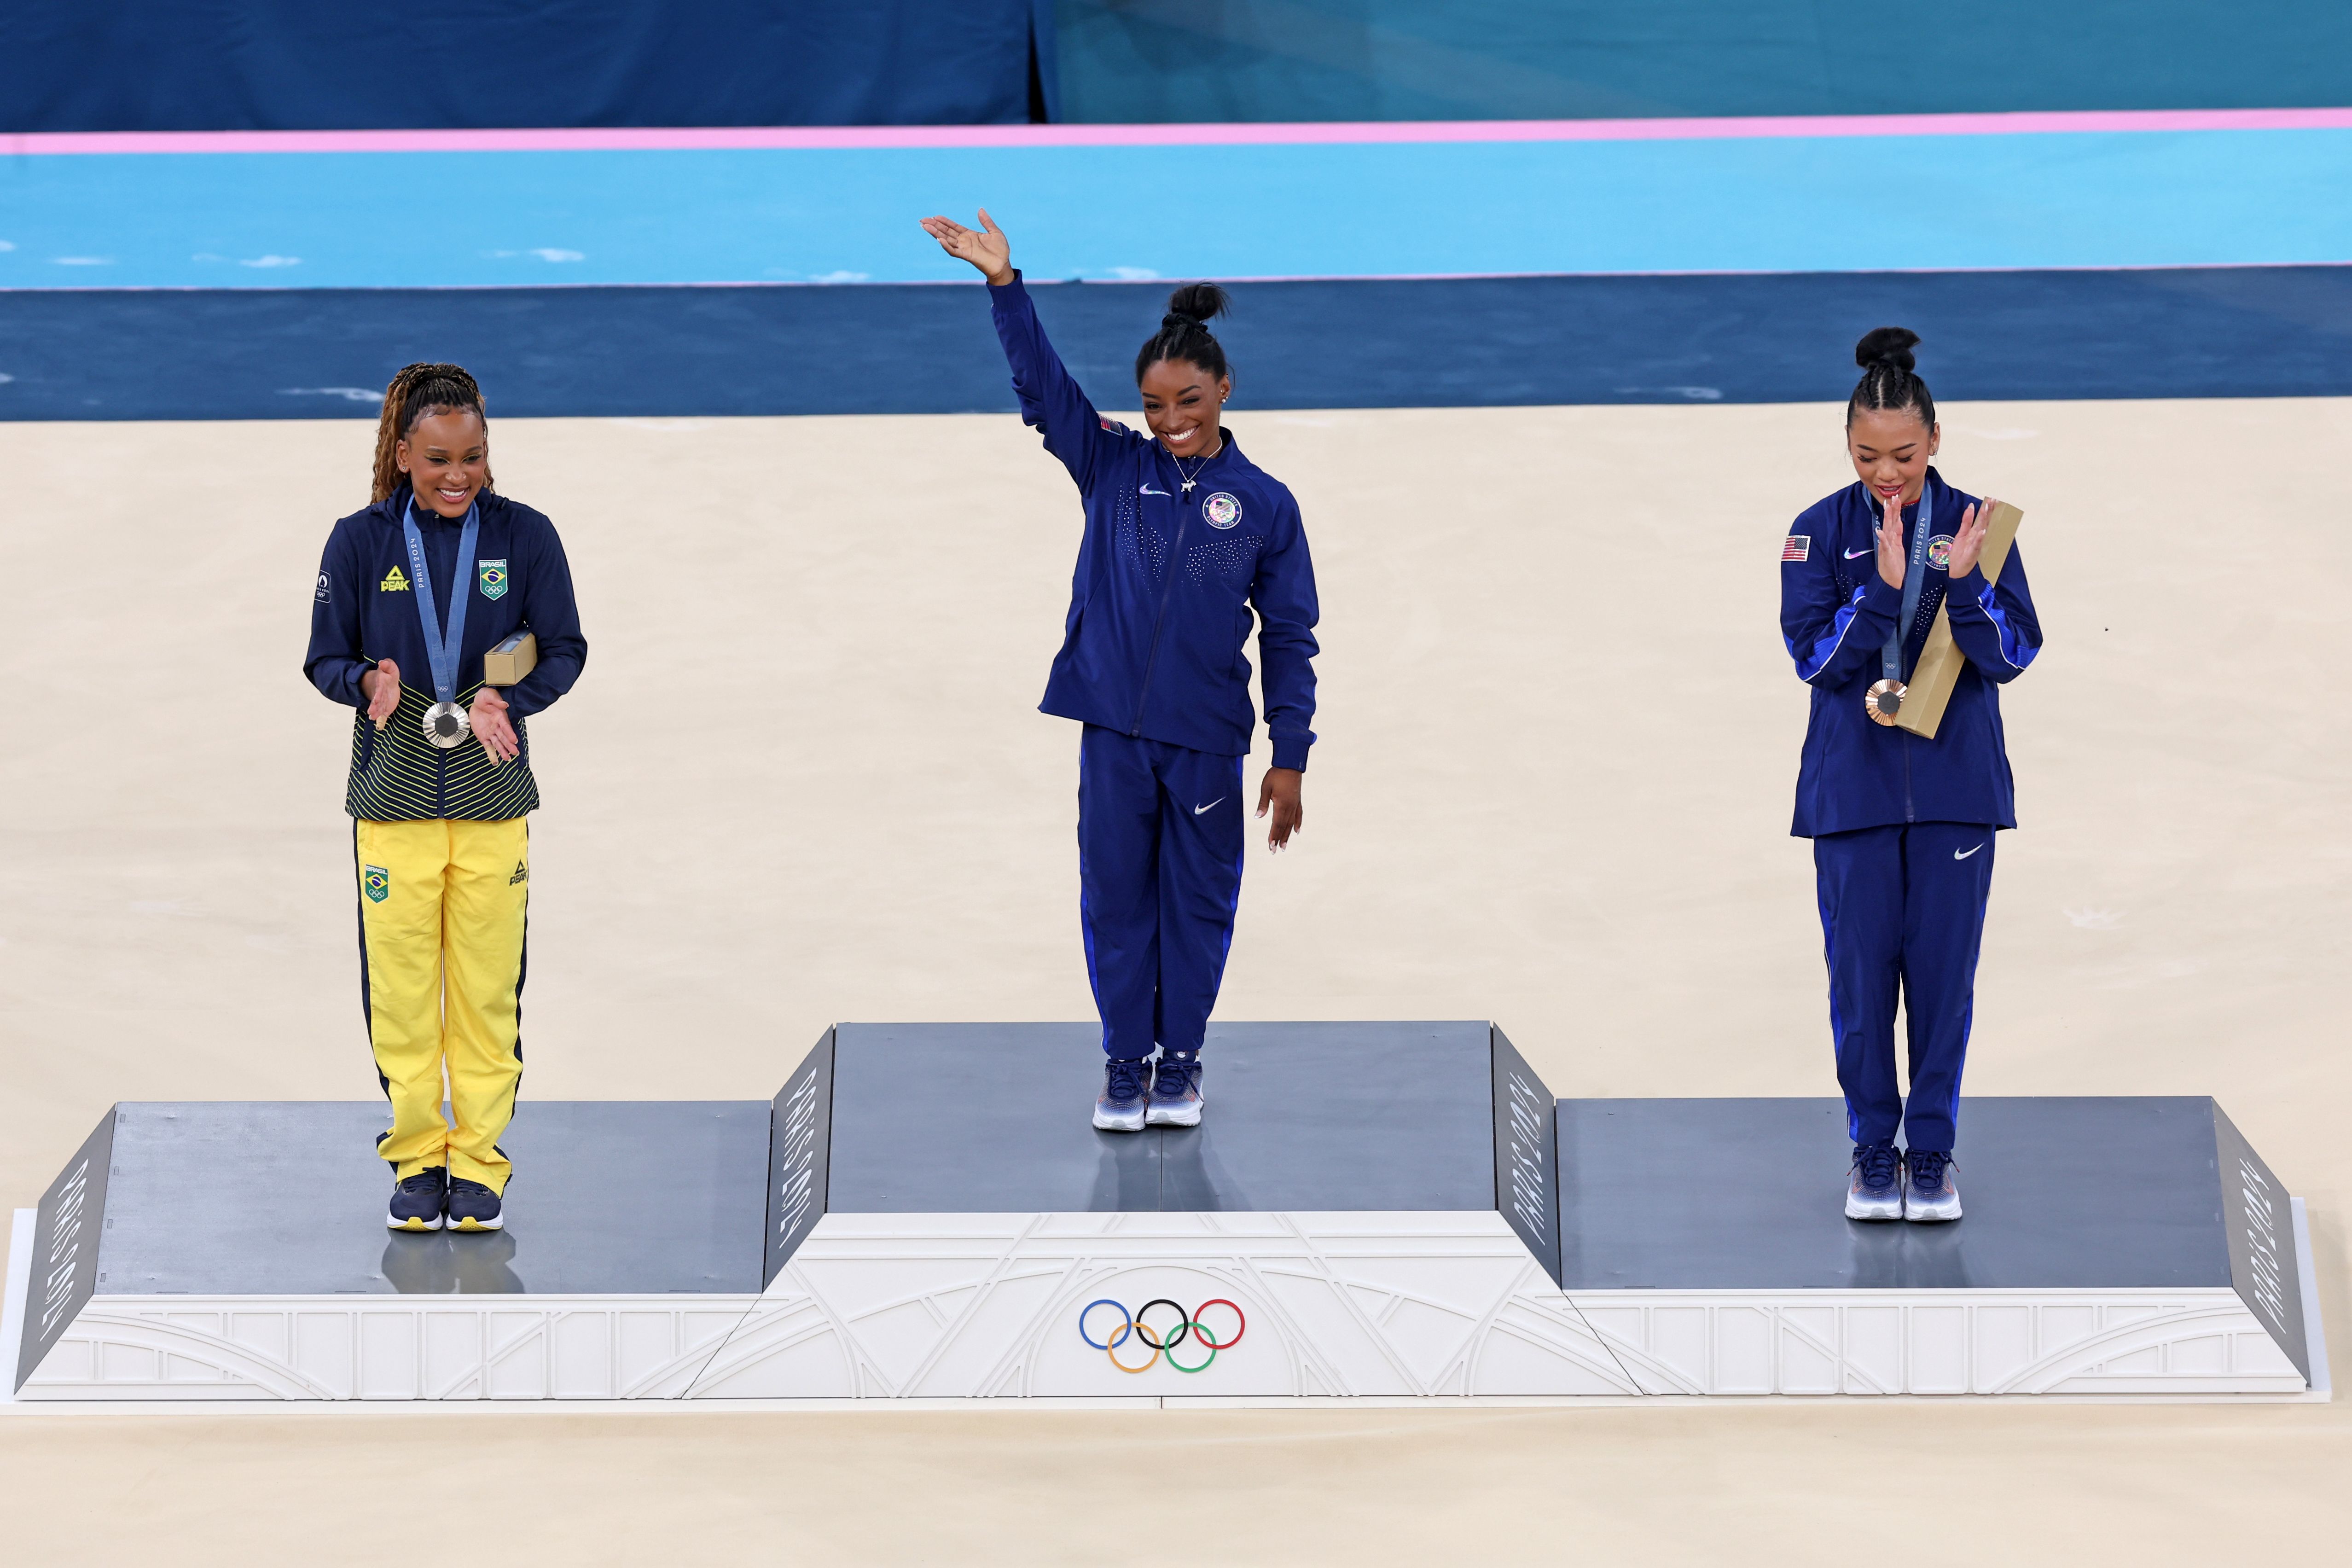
(1051, 400)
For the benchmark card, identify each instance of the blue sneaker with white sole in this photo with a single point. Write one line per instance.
(1127, 1084)
(1873, 1185)
(1929, 1193)
(473, 1206)
(417, 1202)
(1176, 1097)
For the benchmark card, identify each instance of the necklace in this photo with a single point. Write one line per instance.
(1192, 478)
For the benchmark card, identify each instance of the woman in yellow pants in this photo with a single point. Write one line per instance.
(412, 592)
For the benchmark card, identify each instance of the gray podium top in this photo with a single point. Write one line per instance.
(285, 1198)
(993, 1118)
(1700, 1195)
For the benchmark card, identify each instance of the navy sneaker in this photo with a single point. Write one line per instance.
(1176, 1091)
(473, 1206)
(417, 1202)
(1126, 1085)
(1873, 1188)
(1929, 1194)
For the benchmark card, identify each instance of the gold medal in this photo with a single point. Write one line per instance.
(1884, 700)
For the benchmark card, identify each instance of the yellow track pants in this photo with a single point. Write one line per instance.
(442, 907)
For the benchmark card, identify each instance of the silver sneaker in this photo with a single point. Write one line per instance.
(1127, 1087)
(1929, 1193)
(1176, 1096)
(1873, 1188)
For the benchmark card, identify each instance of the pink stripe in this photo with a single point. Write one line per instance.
(935, 136)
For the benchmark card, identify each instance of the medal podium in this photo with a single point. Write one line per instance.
(1368, 1210)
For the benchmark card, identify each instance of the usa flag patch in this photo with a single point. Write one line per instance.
(1111, 425)
(1799, 547)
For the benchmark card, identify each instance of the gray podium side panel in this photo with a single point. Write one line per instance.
(65, 1247)
(1527, 1154)
(2260, 1224)
(799, 1149)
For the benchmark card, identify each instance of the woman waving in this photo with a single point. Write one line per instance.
(1184, 538)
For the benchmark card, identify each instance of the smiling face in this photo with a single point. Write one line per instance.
(447, 456)
(1890, 448)
(1181, 404)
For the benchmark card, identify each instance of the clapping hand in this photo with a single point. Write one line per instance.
(492, 727)
(1968, 544)
(1894, 549)
(381, 686)
(985, 247)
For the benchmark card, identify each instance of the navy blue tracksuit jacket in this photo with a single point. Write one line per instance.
(1153, 662)
(364, 609)
(1902, 828)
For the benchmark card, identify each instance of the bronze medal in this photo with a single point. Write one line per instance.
(1883, 701)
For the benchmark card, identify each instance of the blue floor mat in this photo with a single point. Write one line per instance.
(917, 349)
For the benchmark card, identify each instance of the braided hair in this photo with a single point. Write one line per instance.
(1888, 380)
(1184, 333)
(419, 390)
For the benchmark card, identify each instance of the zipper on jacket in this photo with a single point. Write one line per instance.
(1152, 659)
(1910, 810)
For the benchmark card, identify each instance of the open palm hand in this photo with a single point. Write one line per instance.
(984, 248)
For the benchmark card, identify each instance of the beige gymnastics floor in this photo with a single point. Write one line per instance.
(803, 780)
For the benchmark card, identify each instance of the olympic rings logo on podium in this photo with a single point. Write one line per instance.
(1163, 1342)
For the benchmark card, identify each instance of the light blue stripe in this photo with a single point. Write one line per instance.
(2106, 199)
(1825, 646)
(2012, 647)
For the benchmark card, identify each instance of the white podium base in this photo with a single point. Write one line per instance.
(890, 1311)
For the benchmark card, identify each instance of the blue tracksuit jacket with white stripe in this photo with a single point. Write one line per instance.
(1837, 612)
(1160, 602)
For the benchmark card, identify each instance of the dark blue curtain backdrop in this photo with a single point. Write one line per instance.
(1186, 60)
(305, 65)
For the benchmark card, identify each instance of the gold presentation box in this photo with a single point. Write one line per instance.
(1938, 670)
(511, 659)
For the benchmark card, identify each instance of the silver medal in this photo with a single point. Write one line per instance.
(446, 725)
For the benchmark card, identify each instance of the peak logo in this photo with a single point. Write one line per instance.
(1162, 1342)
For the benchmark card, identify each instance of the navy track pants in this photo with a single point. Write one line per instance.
(1160, 842)
(1903, 907)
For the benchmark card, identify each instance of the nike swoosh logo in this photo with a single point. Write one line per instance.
(1199, 809)
(1963, 854)
(1149, 491)
(1864, 551)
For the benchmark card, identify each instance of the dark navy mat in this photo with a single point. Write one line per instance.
(928, 349)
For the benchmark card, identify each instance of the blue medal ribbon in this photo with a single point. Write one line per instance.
(1915, 577)
(440, 652)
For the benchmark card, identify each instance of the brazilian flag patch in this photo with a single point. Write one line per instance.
(492, 575)
(377, 882)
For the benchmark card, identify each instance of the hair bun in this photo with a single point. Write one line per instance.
(1198, 303)
(1887, 345)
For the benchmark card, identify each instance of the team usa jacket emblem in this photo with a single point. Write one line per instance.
(1221, 510)
(1799, 547)
(492, 576)
(394, 582)
(377, 881)
(1939, 552)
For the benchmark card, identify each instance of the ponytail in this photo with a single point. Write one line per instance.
(415, 392)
